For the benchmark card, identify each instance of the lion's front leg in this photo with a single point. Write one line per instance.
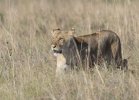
(62, 67)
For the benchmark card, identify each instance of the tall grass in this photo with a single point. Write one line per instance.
(27, 66)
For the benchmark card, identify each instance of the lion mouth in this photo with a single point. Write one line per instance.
(57, 51)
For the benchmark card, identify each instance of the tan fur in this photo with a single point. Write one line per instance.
(61, 65)
(59, 37)
(101, 46)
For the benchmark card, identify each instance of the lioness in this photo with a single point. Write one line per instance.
(88, 49)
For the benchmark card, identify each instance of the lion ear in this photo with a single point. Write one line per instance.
(71, 32)
(55, 31)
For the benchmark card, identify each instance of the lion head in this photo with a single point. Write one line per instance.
(59, 37)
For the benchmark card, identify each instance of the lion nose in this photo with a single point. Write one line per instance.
(53, 46)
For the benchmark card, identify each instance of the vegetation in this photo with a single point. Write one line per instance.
(27, 65)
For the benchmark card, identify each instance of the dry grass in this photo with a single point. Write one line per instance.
(27, 66)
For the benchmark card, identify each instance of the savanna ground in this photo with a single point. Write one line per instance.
(27, 66)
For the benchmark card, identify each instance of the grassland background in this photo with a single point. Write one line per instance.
(27, 66)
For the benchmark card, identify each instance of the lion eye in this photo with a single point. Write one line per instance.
(61, 41)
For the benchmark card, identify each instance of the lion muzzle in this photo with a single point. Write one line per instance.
(55, 49)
